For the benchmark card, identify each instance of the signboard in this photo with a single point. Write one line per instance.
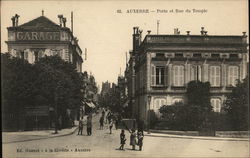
(128, 124)
(38, 36)
(37, 111)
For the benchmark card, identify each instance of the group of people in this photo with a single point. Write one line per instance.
(111, 119)
(89, 125)
(135, 139)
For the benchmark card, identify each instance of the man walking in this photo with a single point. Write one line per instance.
(101, 122)
(89, 126)
(80, 127)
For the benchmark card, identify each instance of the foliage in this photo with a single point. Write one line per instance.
(198, 94)
(112, 100)
(237, 106)
(192, 115)
(56, 76)
(49, 81)
(17, 83)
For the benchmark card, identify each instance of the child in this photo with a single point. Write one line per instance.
(110, 126)
(101, 122)
(140, 140)
(133, 139)
(123, 140)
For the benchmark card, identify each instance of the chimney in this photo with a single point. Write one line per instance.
(188, 33)
(13, 21)
(202, 30)
(149, 31)
(16, 19)
(136, 38)
(244, 34)
(205, 32)
(176, 31)
(60, 19)
(64, 20)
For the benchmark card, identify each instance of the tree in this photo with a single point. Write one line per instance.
(237, 106)
(49, 82)
(60, 83)
(192, 115)
(17, 89)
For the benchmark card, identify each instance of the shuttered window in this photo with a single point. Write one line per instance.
(215, 76)
(159, 75)
(216, 104)
(233, 75)
(196, 73)
(178, 75)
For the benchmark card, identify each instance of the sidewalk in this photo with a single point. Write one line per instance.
(162, 134)
(13, 137)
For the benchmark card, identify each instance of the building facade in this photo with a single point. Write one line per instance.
(31, 41)
(161, 66)
(40, 37)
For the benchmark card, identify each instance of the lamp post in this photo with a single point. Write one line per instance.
(149, 100)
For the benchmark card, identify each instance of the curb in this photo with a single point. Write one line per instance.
(197, 137)
(53, 136)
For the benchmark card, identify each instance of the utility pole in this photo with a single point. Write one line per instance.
(72, 22)
(158, 23)
(56, 98)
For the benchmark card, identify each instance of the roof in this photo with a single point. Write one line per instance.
(40, 23)
(195, 39)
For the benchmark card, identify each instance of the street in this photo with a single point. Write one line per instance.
(103, 144)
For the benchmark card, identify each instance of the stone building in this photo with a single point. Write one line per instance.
(161, 66)
(40, 37)
(31, 41)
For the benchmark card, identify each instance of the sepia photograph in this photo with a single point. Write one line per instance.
(142, 78)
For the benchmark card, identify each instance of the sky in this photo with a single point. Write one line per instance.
(107, 35)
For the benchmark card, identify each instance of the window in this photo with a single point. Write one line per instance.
(233, 55)
(177, 100)
(178, 75)
(158, 75)
(197, 55)
(161, 55)
(178, 55)
(159, 102)
(195, 73)
(215, 55)
(215, 76)
(233, 75)
(216, 104)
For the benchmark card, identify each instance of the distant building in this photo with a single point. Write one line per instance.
(161, 66)
(40, 37)
(105, 87)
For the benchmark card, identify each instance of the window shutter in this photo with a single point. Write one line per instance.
(175, 75)
(199, 72)
(181, 75)
(153, 75)
(166, 76)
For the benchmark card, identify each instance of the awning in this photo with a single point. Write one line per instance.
(92, 105)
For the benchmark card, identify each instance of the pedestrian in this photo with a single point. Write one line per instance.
(123, 139)
(80, 127)
(101, 122)
(103, 113)
(140, 140)
(116, 122)
(89, 126)
(141, 126)
(110, 125)
(108, 117)
(133, 139)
